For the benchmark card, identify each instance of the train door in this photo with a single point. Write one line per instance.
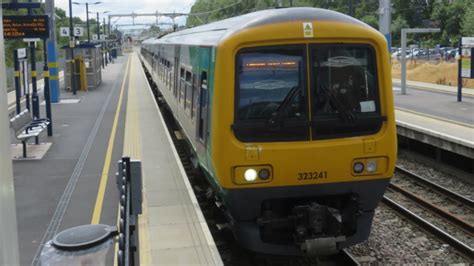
(202, 103)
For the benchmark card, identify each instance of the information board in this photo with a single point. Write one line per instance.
(16, 27)
(467, 69)
(467, 66)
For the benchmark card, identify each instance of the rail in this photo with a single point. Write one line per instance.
(436, 231)
(453, 195)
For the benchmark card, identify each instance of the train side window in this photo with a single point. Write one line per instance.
(166, 73)
(203, 100)
(193, 95)
(171, 76)
(188, 90)
(181, 84)
(160, 73)
(168, 69)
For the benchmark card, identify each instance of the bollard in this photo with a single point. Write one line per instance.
(81, 245)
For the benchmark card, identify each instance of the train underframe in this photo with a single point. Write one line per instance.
(309, 220)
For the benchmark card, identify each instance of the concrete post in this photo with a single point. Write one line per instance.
(385, 19)
(403, 61)
(9, 239)
(404, 46)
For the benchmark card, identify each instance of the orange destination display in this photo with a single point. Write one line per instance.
(15, 27)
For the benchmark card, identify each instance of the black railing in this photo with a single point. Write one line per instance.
(129, 183)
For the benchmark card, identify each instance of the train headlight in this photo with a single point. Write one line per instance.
(371, 166)
(358, 167)
(250, 175)
(264, 174)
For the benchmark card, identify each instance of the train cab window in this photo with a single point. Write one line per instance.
(271, 96)
(344, 91)
(188, 90)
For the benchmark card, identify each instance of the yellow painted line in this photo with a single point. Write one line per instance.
(33, 74)
(46, 74)
(108, 158)
(53, 64)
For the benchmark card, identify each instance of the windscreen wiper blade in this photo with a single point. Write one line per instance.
(277, 115)
(345, 114)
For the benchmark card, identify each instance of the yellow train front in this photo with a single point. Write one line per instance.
(301, 140)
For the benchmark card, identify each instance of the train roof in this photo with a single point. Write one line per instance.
(211, 34)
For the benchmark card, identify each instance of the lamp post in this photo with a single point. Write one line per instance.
(105, 43)
(87, 15)
(98, 35)
(72, 43)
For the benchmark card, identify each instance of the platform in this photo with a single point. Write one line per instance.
(431, 114)
(172, 227)
(74, 183)
(60, 190)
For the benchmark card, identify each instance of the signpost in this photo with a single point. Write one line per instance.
(15, 27)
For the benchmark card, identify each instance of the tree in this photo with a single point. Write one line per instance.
(450, 17)
(371, 20)
(467, 24)
(396, 29)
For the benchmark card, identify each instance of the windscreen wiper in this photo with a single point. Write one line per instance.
(345, 113)
(276, 116)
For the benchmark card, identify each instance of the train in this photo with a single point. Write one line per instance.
(289, 113)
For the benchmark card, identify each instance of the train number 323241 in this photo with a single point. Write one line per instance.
(312, 175)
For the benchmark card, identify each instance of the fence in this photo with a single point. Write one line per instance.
(39, 70)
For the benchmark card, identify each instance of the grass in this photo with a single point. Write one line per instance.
(442, 73)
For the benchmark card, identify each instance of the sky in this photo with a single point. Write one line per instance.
(129, 6)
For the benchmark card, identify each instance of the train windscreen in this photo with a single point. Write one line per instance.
(271, 102)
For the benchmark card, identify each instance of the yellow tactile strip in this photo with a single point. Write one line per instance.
(132, 147)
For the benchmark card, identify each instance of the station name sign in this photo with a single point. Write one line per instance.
(17, 27)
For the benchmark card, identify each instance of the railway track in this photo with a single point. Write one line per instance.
(450, 222)
(231, 253)
(425, 182)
